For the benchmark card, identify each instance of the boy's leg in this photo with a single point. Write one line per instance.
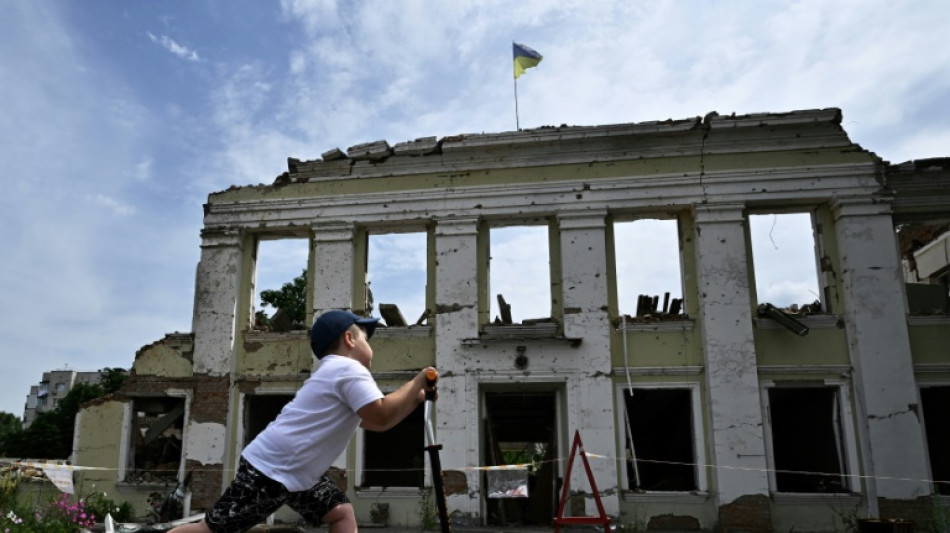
(324, 503)
(341, 519)
(250, 498)
(199, 527)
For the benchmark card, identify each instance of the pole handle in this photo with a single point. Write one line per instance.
(432, 377)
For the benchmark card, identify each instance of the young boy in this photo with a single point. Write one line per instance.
(286, 463)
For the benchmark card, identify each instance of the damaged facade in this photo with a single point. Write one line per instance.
(729, 406)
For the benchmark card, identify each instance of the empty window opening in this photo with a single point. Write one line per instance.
(661, 457)
(156, 440)
(519, 428)
(807, 444)
(396, 278)
(520, 275)
(280, 288)
(936, 404)
(649, 275)
(394, 458)
(260, 410)
(925, 249)
(785, 264)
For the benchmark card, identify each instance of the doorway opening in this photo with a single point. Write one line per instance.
(521, 428)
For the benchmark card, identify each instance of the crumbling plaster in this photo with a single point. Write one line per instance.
(170, 357)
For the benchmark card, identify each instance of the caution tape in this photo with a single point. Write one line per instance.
(48, 466)
(42, 465)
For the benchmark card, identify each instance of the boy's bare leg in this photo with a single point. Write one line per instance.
(198, 527)
(340, 519)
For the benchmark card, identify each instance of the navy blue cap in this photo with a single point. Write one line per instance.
(331, 324)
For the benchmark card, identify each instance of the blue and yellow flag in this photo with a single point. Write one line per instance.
(525, 58)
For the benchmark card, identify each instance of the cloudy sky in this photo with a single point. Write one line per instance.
(119, 118)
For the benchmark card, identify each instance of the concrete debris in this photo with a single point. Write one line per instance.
(333, 155)
(372, 151)
(421, 146)
(770, 311)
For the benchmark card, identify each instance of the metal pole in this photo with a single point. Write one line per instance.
(517, 122)
(437, 482)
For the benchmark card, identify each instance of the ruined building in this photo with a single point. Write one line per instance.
(737, 420)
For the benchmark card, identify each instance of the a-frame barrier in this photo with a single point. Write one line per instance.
(560, 519)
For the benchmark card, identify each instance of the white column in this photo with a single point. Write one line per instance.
(732, 382)
(214, 323)
(888, 405)
(583, 259)
(217, 291)
(333, 251)
(456, 319)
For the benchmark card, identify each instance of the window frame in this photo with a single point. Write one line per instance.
(941, 384)
(373, 231)
(128, 412)
(360, 465)
(848, 440)
(490, 293)
(822, 280)
(683, 296)
(698, 440)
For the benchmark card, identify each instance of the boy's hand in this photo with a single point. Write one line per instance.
(431, 376)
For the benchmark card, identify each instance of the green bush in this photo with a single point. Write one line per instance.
(8, 483)
(100, 505)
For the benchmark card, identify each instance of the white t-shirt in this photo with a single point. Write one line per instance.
(314, 428)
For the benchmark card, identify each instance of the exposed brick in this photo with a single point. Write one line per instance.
(454, 482)
(919, 511)
(747, 514)
(671, 522)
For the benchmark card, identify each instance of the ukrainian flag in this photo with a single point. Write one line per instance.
(525, 58)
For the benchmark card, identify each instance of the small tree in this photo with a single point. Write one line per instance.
(112, 379)
(290, 299)
(10, 425)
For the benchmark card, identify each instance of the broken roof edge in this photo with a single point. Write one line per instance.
(453, 153)
(929, 164)
(422, 146)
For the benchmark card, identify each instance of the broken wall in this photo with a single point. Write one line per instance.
(709, 175)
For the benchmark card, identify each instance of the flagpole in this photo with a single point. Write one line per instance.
(517, 122)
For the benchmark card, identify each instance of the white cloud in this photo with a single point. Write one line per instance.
(143, 169)
(117, 208)
(179, 50)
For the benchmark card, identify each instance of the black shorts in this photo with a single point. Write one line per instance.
(252, 496)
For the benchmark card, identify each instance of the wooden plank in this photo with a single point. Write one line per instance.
(164, 423)
(392, 315)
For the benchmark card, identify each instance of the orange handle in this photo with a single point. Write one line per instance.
(432, 376)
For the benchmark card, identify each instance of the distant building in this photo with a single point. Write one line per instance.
(713, 411)
(54, 386)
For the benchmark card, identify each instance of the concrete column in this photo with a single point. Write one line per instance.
(583, 245)
(456, 319)
(725, 315)
(888, 405)
(217, 293)
(217, 290)
(333, 251)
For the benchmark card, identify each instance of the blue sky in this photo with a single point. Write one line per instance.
(119, 118)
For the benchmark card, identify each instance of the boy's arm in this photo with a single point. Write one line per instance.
(392, 408)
